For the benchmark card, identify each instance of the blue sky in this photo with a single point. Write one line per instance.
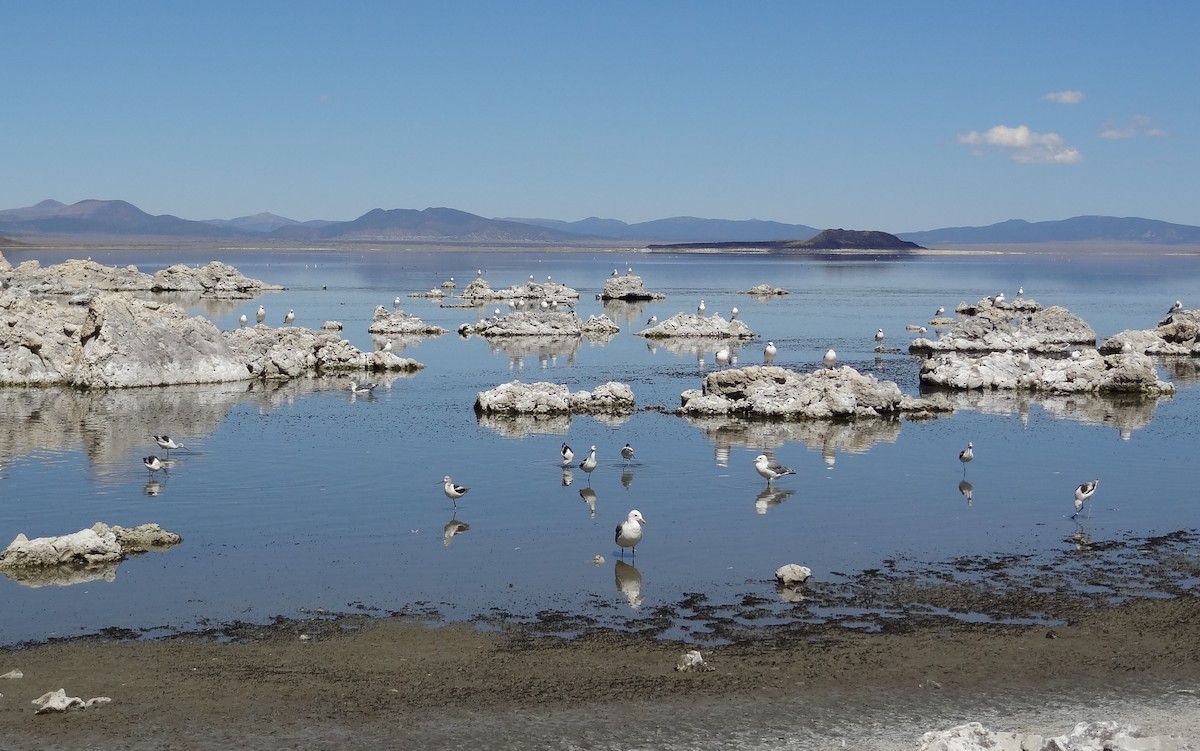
(897, 116)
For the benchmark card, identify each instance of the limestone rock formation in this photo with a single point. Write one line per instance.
(1087, 371)
(792, 573)
(763, 290)
(80, 556)
(767, 391)
(294, 351)
(544, 398)
(996, 327)
(1177, 334)
(384, 321)
(72, 277)
(539, 323)
(690, 325)
(628, 287)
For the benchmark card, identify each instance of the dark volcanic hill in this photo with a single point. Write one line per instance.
(830, 239)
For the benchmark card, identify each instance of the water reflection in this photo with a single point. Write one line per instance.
(627, 314)
(1184, 371)
(520, 426)
(771, 496)
(1124, 412)
(567, 477)
(827, 436)
(968, 491)
(452, 528)
(400, 342)
(545, 349)
(629, 583)
(627, 478)
(154, 488)
(589, 497)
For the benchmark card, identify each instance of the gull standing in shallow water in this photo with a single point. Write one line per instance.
(967, 455)
(879, 339)
(629, 532)
(589, 464)
(452, 491)
(567, 455)
(153, 464)
(764, 468)
(1082, 493)
(167, 442)
(627, 453)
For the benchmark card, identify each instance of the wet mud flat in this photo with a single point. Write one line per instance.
(1101, 613)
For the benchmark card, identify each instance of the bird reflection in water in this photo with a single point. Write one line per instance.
(589, 497)
(629, 583)
(567, 477)
(153, 488)
(452, 528)
(627, 478)
(968, 491)
(769, 497)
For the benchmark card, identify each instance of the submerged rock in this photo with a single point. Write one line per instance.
(767, 391)
(1084, 371)
(544, 398)
(628, 287)
(763, 290)
(690, 325)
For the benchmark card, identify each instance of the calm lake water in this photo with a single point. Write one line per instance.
(299, 496)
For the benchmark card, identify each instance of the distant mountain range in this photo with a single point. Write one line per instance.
(96, 221)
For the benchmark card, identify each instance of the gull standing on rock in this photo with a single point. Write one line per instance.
(261, 315)
(764, 468)
(733, 314)
(830, 358)
(243, 320)
(651, 320)
(939, 311)
(879, 339)
(629, 532)
(452, 491)
(291, 316)
(1178, 306)
(769, 352)
(1082, 493)
(700, 308)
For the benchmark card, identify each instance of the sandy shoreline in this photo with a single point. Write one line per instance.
(374, 676)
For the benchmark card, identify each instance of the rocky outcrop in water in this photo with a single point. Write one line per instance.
(539, 323)
(1084, 371)
(767, 391)
(987, 326)
(628, 287)
(480, 291)
(72, 277)
(691, 326)
(543, 398)
(116, 341)
(1177, 334)
(384, 321)
(763, 290)
(81, 556)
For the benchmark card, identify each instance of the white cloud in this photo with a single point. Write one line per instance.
(1136, 126)
(1027, 146)
(1064, 97)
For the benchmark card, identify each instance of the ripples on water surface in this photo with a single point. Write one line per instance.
(298, 496)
